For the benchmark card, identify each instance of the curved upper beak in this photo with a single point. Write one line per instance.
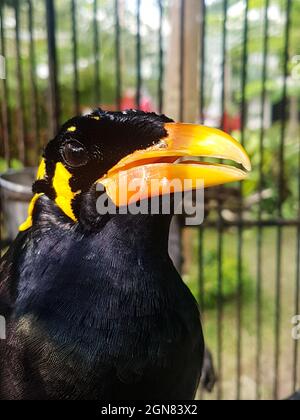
(159, 165)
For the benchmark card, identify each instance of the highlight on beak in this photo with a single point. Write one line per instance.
(176, 157)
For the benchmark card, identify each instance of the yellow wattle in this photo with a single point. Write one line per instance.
(64, 194)
(40, 175)
(28, 223)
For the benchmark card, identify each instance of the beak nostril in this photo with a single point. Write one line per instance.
(161, 145)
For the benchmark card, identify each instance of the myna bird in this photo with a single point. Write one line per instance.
(93, 304)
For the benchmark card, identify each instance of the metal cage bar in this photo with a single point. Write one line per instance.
(54, 105)
(240, 241)
(259, 319)
(21, 129)
(97, 68)
(35, 125)
(278, 298)
(220, 226)
(118, 55)
(6, 129)
(297, 297)
(76, 91)
(181, 59)
(160, 88)
(138, 54)
(202, 110)
(201, 237)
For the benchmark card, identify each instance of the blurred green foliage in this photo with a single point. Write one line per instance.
(229, 280)
(85, 52)
(15, 164)
(271, 172)
(256, 38)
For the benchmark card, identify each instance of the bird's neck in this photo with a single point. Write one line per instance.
(137, 231)
(117, 272)
(140, 233)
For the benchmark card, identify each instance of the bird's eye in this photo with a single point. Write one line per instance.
(75, 154)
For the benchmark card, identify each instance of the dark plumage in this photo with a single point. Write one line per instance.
(96, 309)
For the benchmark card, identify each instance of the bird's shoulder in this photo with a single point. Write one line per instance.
(8, 277)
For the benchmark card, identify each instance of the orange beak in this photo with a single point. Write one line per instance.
(134, 177)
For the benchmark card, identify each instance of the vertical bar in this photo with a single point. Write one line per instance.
(5, 99)
(97, 80)
(224, 60)
(240, 228)
(201, 271)
(201, 284)
(138, 55)
(75, 56)
(118, 56)
(161, 58)
(182, 54)
(297, 290)
(54, 111)
(220, 308)
(201, 107)
(260, 188)
(33, 80)
(181, 79)
(297, 295)
(280, 201)
(202, 59)
(296, 364)
(20, 85)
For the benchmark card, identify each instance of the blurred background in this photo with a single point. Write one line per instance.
(233, 64)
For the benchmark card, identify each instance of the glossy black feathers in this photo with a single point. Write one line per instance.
(101, 315)
(96, 309)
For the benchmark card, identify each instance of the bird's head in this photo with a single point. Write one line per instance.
(107, 147)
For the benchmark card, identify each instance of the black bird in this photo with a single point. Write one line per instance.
(94, 307)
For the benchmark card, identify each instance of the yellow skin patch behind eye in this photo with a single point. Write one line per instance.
(72, 129)
(64, 194)
(61, 184)
(41, 170)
